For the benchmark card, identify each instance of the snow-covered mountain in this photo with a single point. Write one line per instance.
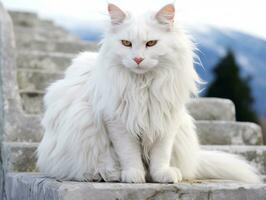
(213, 44)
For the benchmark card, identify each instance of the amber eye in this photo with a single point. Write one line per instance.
(126, 43)
(151, 43)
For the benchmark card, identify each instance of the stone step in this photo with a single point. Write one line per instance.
(229, 133)
(32, 102)
(213, 109)
(32, 186)
(28, 19)
(21, 157)
(52, 33)
(36, 80)
(52, 62)
(53, 46)
(235, 133)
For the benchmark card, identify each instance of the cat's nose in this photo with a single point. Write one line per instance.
(138, 60)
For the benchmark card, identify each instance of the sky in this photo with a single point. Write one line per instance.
(244, 15)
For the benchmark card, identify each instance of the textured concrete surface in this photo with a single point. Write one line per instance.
(28, 19)
(43, 33)
(32, 102)
(37, 60)
(35, 186)
(225, 132)
(54, 46)
(28, 129)
(36, 80)
(7, 65)
(22, 157)
(213, 109)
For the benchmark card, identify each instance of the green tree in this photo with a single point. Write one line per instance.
(229, 84)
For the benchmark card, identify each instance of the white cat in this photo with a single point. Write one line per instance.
(120, 115)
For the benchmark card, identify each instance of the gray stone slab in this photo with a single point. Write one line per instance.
(21, 156)
(21, 127)
(36, 80)
(52, 62)
(52, 33)
(28, 128)
(32, 101)
(213, 109)
(7, 80)
(226, 133)
(54, 46)
(29, 19)
(35, 186)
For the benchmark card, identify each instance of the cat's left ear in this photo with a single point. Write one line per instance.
(116, 14)
(166, 15)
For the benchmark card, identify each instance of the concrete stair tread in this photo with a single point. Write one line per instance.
(23, 18)
(52, 33)
(18, 186)
(56, 46)
(30, 88)
(49, 31)
(36, 80)
(42, 53)
(28, 19)
(46, 61)
(22, 14)
(210, 132)
(211, 107)
(21, 156)
(229, 133)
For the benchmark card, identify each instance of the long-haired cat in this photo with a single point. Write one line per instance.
(120, 115)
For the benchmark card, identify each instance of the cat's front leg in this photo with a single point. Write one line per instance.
(160, 156)
(128, 150)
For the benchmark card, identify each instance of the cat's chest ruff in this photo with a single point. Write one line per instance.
(143, 112)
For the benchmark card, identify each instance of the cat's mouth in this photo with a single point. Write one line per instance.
(139, 70)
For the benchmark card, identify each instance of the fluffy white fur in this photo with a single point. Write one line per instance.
(112, 119)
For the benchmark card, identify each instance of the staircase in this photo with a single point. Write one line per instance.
(43, 52)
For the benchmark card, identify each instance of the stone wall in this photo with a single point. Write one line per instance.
(8, 95)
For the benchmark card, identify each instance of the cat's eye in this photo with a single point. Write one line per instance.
(126, 43)
(151, 43)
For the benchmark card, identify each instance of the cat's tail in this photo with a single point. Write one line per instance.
(220, 165)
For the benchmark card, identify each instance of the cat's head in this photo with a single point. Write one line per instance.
(141, 43)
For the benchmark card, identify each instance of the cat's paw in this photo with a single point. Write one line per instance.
(133, 175)
(167, 175)
(91, 177)
(111, 175)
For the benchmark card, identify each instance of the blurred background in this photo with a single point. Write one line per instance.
(230, 36)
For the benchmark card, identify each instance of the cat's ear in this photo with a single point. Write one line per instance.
(116, 14)
(166, 14)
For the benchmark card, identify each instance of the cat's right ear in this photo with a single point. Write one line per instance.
(166, 14)
(116, 14)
